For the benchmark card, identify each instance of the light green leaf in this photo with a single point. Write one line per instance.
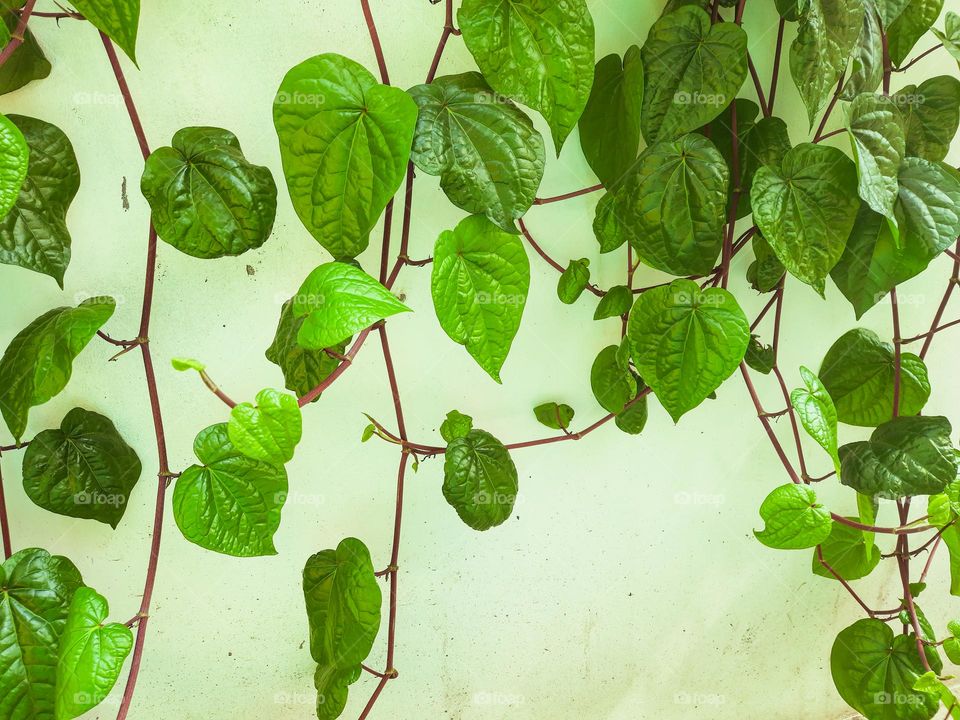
(185, 364)
(817, 413)
(344, 142)
(84, 469)
(806, 209)
(457, 425)
(33, 234)
(91, 655)
(573, 281)
(685, 342)
(118, 19)
(793, 519)
(929, 683)
(14, 156)
(910, 25)
(537, 52)
(866, 64)
(268, 432)
(231, 503)
(39, 360)
(879, 143)
(858, 372)
(487, 153)
(615, 303)
(554, 416)
(692, 71)
(950, 36)
(303, 369)
(479, 480)
(338, 300)
(848, 551)
(611, 380)
(479, 284)
(931, 114)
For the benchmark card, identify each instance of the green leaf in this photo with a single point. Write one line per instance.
(573, 281)
(692, 71)
(875, 671)
(479, 284)
(765, 272)
(118, 19)
(554, 416)
(26, 64)
(343, 609)
(610, 124)
(487, 153)
(231, 503)
(719, 132)
(207, 200)
(939, 510)
(766, 143)
(303, 369)
(38, 362)
(879, 143)
(858, 372)
(344, 142)
(867, 508)
(904, 457)
(760, 357)
(806, 209)
(268, 432)
(612, 382)
(817, 413)
(671, 207)
(929, 683)
(848, 552)
(910, 25)
(866, 64)
(457, 425)
(92, 653)
(34, 233)
(951, 538)
(950, 36)
(685, 342)
(185, 364)
(633, 418)
(614, 303)
(479, 480)
(826, 36)
(793, 519)
(951, 647)
(85, 469)
(338, 300)
(14, 157)
(791, 10)
(537, 52)
(35, 595)
(928, 206)
(931, 114)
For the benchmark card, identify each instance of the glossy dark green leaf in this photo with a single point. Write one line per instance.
(554, 416)
(268, 431)
(879, 142)
(633, 418)
(207, 199)
(479, 285)
(692, 71)
(911, 24)
(573, 281)
(848, 552)
(338, 300)
(39, 360)
(479, 480)
(34, 233)
(28, 63)
(610, 124)
(84, 469)
(760, 357)
(14, 155)
(928, 205)
(817, 414)
(765, 272)
(806, 209)
(615, 303)
(612, 382)
(231, 503)
(537, 52)
(35, 596)
(793, 519)
(866, 64)
(931, 114)
(858, 372)
(765, 143)
(904, 457)
(302, 369)
(455, 426)
(685, 342)
(118, 19)
(345, 142)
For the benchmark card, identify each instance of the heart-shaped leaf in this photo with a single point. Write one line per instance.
(455, 425)
(118, 19)
(879, 143)
(793, 519)
(817, 414)
(931, 114)
(928, 205)
(268, 432)
(14, 156)
(480, 480)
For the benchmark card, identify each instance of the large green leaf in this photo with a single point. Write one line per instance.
(479, 284)
(345, 142)
(302, 369)
(858, 372)
(338, 300)
(903, 457)
(928, 205)
(931, 114)
(38, 362)
(806, 209)
(826, 37)
(610, 124)
(84, 469)
(34, 233)
(537, 52)
(118, 19)
(28, 63)
(793, 519)
(875, 671)
(91, 655)
(479, 480)
(14, 156)
(685, 342)
(671, 207)
(879, 142)
(207, 199)
(231, 503)
(911, 24)
(35, 595)
(268, 431)
(850, 552)
(486, 151)
(866, 64)
(817, 413)
(692, 71)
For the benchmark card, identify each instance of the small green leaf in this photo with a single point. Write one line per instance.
(760, 357)
(950, 35)
(614, 303)
(457, 425)
(479, 480)
(92, 653)
(633, 418)
(554, 416)
(879, 142)
(910, 25)
(84, 469)
(765, 272)
(930, 683)
(479, 285)
(14, 157)
(931, 114)
(848, 552)
(184, 364)
(118, 19)
(793, 519)
(612, 382)
(27, 63)
(765, 143)
(303, 369)
(573, 281)
(368, 432)
(817, 413)
(338, 300)
(268, 432)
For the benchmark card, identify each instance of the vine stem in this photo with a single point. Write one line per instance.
(941, 308)
(567, 196)
(897, 351)
(553, 263)
(375, 41)
(19, 32)
(4, 521)
(918, 58)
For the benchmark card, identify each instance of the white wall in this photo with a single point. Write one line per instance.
(627, 585)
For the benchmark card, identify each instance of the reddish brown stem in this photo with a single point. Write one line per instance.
(567, 196)
(897, 352)
(553, 263)
(340, 369)
(19, 32)
(375, 40)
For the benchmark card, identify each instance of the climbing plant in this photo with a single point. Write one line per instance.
(694, 167)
